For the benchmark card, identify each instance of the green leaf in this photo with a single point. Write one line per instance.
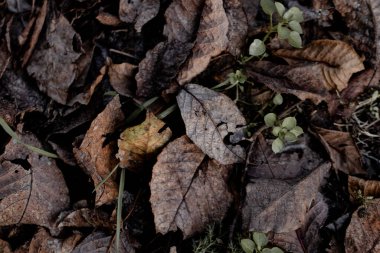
(268, 6)
(297, 131)
(276, 250)
(290, 137)
(257, 48)
(289, 123)
(260, 239)
(276, 131)
(278, 100)
(270, 119)
(283, 32)
(247, 245)
(280, 8)
(295, 14)
(295, 26)
(277, 145)
(295, 39)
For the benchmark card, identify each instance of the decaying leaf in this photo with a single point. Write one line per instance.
(368, 188)
(5, 247)
(337, 61)
(99, 160)
(188, 190)
(5, 57)
(251, 9)
(33, 190)
(209, 117)
(138, 11)
(363, 233)
(211, 40)
(86, 217)
(277, 206)
(121, 77)
(137, 143)
(343, 152)
(53, 62)
(43, 242)
(160, 67)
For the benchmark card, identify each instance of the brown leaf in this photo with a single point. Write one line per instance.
(188, 190)
(209, 117)
(293, 163)
(251, 9)
(5, 57)
(367, 187)
(86, 217)
(363, 233)
(337, 61)
(99, 160)
(343, 152)
(108, 19)
(160, 67)
(121, 77)
(277, 206)
(4, 246)
(182, 17)
(139, 11)
(137, 143)
(53, 62)
(33, 190)
(211, 40)
(43, 242)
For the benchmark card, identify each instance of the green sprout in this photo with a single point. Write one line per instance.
(234, 80)
(258, 244)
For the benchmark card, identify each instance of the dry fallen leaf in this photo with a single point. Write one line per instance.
(363, 233)
(343, 152)
(138, 11)
(209, 117)
(99, 160)
(121, 77)
(137, 143)
(33, 190)
(5, 57)
(277, 206)
(43, 242)
(337, 61)
(4, 246)
(211, 40)
(86, 217)
(368, 188)
(188, 190)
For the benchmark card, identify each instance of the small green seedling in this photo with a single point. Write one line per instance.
(362, 199)
(234, 80)
(258, 244)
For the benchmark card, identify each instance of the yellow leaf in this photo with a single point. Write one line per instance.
(139, 142)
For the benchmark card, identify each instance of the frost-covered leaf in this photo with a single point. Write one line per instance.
(209, 117)
(211, 40)
(277, 206)
(137, 143)
(98, 159)
(188, 190)
(138, 11)
(33, 190)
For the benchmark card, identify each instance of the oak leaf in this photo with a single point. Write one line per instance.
(209, 117)
(188, 190)
(137, 143)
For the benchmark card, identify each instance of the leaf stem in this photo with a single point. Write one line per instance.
(119, 209)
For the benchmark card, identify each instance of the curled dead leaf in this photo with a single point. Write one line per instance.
(121, 77)
(139, 11)
(368, 188)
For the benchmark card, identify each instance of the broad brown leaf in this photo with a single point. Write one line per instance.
(188, 190)
(121, 77)
(138, 143)
(277, 206)
(363, 233)
(209, 117)
(53, 63)
(367, 187)
(138, 11)
(96, 159)
(211, 40)
(43, 242)
(86, 217)
(343, 152)
(33, 190)
(337, 61)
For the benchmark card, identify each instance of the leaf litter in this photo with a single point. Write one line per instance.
(77, 77)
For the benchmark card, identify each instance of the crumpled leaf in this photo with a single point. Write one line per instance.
(238, 26)
(137, 143)
(209, 117)
(121, 76)
(343, 152)
(96, 159)
(43, 242)
(211, 40)
(368, 188)
(32, 188)
(160, 67)
(337, 61)
(277, 206)
(53, 63)
(100, 242)
(138, 11)
(363, 233)
(188, 190)
(86, 217)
